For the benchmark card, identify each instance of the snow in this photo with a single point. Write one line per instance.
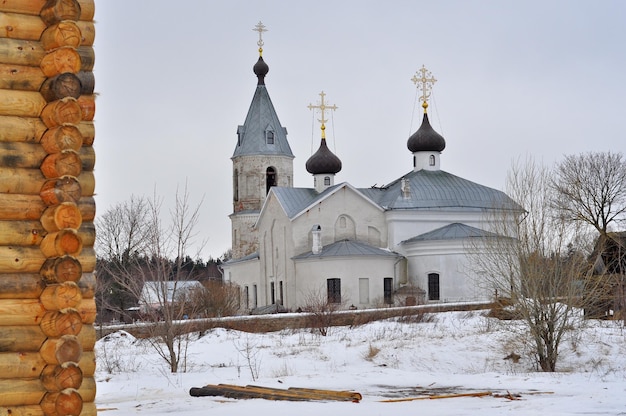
(445, 353)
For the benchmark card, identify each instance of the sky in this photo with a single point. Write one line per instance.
(384, 360)
(514, 79)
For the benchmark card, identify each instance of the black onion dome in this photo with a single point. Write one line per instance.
(323, 161)
(261, 69)
(426, 139)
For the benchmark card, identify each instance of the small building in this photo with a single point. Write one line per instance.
(155, 294)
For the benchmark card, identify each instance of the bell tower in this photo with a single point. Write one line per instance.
(262, 159)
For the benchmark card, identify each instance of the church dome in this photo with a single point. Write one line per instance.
(323, 161)
(260, 70)
(426, 139)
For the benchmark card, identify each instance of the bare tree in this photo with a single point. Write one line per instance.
(156, 274)
(216, 299)
(538, 259)
(591, 188)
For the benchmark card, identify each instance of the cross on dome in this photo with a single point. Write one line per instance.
(424, 81)
(322, 107)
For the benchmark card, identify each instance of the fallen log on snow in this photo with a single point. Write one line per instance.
(269, 393)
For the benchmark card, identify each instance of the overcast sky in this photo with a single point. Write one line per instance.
(514, 78)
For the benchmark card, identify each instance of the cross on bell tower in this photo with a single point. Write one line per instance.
(260, 27)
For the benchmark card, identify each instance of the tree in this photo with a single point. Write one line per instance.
(590, 188)
(538, 259)
(160, 266)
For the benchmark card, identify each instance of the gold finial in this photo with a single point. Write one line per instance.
(322, 107)
(426, 79)
(260, 27)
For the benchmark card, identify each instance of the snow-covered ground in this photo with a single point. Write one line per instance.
(454, 352)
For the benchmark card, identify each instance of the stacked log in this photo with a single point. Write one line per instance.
(47, 261)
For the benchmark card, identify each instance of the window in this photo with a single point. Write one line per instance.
(431, 160)
(433, 286)
(326, 180)
(254, 297)
(334, 290)
(236, 185)
(272, 293)
(364, 291)
(280, 292)
(270, 179)
(246, 297)
(269, 137)
(388, 290)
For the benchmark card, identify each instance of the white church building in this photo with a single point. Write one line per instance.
(404, 243)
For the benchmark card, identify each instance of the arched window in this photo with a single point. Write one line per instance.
(236, 185)
(433, 286)
(326, 180)
(431, 160)
(269, 137)
(270, 179)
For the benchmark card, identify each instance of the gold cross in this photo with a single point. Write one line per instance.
(426, 79)
(260, 27)
(322, 107)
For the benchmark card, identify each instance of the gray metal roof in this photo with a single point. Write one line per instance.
(428, 190)
(438, 189)
(452, 231)
(347, 248)
(261, 118)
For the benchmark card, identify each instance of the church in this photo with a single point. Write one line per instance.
(404, 243)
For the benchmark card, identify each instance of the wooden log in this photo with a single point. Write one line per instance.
(66, 33)
(61, 60)
(20, 77)
(20, 233)
(61, 296)
(62, 138)
(60, 112)
(61, 269)
(61, 350)
(61, 86)
(58, 323)
(67, 402)
(87, 58)
(25, 286)
(32, 410)
(87, 233)
(21, 312)
(33, 7)
(60, 377)
(87, 310)
(31, 181)
(20, 259)
(21, 392)
(65, 215)
(61, 243)
(88, 130)
(87, 82)
(21, 207)
(21, 103)
(55, 11)
(87, 106)
(22, 52)
(21, 155)
(87, 285)
(30, 338)
(87, 390)
(22, 129)
(23, 338)
(59, 190)
(21, 365)
(65, 163)
(88, 32)
(21, 26)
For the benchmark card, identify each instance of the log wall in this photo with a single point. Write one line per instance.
(47, 285)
